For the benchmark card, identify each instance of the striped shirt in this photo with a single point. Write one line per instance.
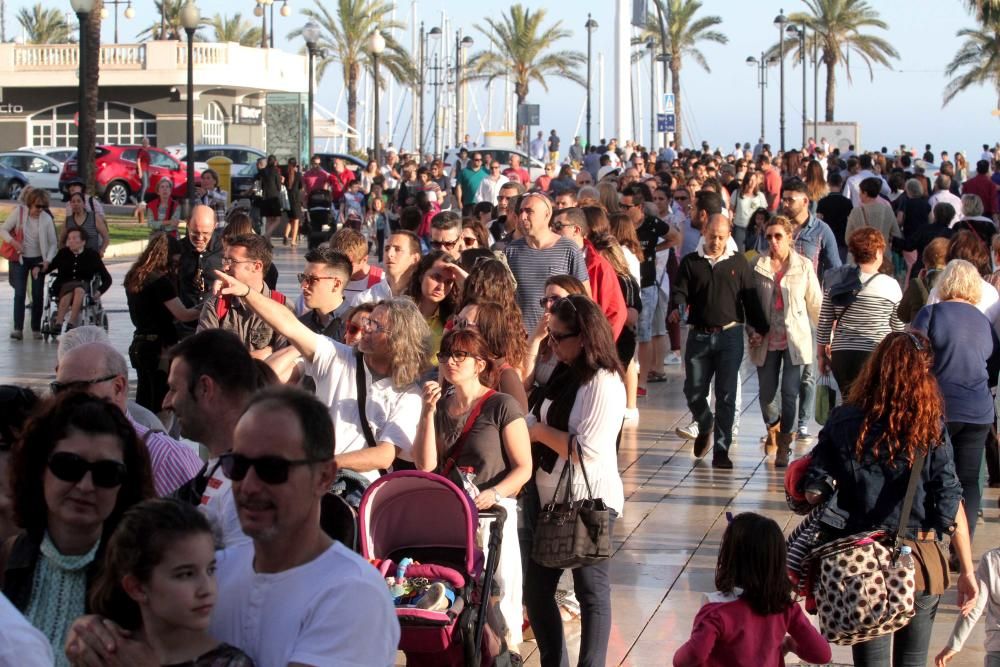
(862, 325)
(173, 463)
(533, 266)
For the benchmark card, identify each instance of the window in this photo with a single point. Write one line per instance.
(213, 125)
(116, 124)
(162, 160)
(38, 166)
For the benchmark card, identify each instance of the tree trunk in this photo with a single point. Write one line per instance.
(520, 138)
(352, 105)
(675, 88)
(87, 138)
(831, 87)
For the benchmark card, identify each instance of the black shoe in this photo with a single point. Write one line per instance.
(721, 460)
(702, 443)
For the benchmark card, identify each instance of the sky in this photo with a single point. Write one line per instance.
(896, 106)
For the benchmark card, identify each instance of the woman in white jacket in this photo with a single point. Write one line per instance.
(30, 229)
(791, 295)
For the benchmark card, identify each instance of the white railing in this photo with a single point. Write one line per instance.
(67, 56)
(203, 54)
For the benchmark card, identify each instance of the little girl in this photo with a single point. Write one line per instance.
(752, 620)
(159, 583)
(988, 580)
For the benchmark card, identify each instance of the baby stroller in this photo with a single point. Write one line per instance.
(425, 517)
(91, 312)
(320, 207)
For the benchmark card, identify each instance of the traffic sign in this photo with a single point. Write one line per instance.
(666, 122)
(668, 103)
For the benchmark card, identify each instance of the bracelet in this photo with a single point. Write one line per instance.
(247, 293)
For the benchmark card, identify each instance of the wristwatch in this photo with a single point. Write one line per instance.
(497, 496)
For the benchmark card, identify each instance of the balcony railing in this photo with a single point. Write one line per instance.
(42, 57)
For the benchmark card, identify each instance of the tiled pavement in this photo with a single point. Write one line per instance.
(667, 540)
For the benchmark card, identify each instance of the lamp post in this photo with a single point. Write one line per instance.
(652, 93)
(762, 83)
(780, 20)
(190, 18)
(376, 44)
(800, 32)
(434, 32)
(815, 87)
(84, 149)
(129, 12)
(310, 32)
(460, 43)
(260, 11)
(591, 26)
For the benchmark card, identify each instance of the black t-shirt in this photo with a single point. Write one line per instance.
(834, 209)
(148, 310)
(483, 451)
(649, 232)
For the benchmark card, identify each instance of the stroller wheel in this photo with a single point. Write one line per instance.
(104, 321)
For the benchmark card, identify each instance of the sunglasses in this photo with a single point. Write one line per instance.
(457, 355)
(269, 469)
(311, 280)
(374, 327)
(546, 301)
(444, 244)
(78, 385)
(559, 226)
(560, 337)
(776, 237)
(354, 329)
(469, 240)
(70, 467)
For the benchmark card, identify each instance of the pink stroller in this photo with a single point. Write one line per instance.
(424, 516)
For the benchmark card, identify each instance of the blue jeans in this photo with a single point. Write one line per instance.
(717, 355)
(807, 395)
(778, 364)
(969, 443)
(19, 274)
(592, 584)
(906, 647)
(740, 237)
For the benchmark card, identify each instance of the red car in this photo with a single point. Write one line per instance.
(117, 177)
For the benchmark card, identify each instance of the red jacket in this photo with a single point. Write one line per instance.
(981, 185)
(605, 289)
(339, 183)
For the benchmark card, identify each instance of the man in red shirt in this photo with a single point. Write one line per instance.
(516, 172)
(340, 179)
(982, 185)
(607, 292)
(316, 177)
(772, 182)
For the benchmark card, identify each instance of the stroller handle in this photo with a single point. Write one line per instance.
(497, 513)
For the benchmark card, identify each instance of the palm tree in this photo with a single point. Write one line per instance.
(344, 35)
(234, 29)
(987, 11)
(519, 48)
(168, 24)
(976, 62)
(87, 137)
(683, 32)
(838, 25)
(44, 25)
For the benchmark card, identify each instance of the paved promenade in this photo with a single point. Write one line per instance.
(667, 541)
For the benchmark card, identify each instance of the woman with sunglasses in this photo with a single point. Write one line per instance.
(790, 293)
(539, 359)
(356, 320)
(861, 465)
(580, 415)
(77, 467)
(435, 288)
(30, 230)
(503, 333)
(477, 437)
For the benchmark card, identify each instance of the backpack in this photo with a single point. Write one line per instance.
(222, 305)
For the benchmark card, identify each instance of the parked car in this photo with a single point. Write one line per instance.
(117, 177)
(58, 153)
(202, 153)
(241, 182)
(11, 182)
(535, 168)
(351, 162)
(41, 170)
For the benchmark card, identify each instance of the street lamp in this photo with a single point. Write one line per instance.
(780, 20)
(376, 44)
(794, 31)
(761, 82)
(190, 18)
(460, 44)
(591, 26)
(84, 150)
(434, 32)
(652, 92)
(260, 11)
(129, 12)
(310, 32)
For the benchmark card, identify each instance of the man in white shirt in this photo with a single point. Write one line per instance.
(943, 194)
(293, 596)
(538, 147)
(860, 168)
(490, 186)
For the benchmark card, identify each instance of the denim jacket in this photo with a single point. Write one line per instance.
(870, 492)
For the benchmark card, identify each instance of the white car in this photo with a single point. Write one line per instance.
(58, 153)
(41, 170)
(240, 155)
(535, 167)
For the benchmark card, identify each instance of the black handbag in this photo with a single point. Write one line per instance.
(572, 533)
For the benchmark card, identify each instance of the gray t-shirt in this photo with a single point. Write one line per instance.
(483, 450)
(533, 266)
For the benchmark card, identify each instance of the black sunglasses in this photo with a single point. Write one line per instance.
(444, 244)
(70, 467)
(270, 469)
(459, 355)
(78, 385)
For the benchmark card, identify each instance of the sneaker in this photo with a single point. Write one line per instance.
(37, 335)
(655, 376)
(802, 436)
(721, 460)
(631, 414)
(17, 334)
(689, 432)
(702, 444)
(640, 392)
(672, 359)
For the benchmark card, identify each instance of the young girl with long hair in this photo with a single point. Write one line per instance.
(159, 584)
(752, 619)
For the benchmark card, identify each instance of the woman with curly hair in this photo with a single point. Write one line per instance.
(503, 334)
(153, 306)
(77, 467)
(862, 463)
(490, 280)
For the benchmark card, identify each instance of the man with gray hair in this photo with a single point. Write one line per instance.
(101, 371)
(943, 194)
(446, 233)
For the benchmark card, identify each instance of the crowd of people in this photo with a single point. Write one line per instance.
(493, 329)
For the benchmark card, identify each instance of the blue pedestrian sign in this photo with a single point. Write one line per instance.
(668, 103)
(665, 122)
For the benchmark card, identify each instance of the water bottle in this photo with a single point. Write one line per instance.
(906, 558)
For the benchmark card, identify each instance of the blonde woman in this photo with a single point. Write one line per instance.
(31, 231)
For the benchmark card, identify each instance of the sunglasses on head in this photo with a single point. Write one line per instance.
(269, 469)
(70, 467)
(78, 385)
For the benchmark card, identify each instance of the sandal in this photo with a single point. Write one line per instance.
(655, 376)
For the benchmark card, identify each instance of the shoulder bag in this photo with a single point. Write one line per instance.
(362, 387)
(7, 250)
(861, 589)
(572, 533)
(456, 449)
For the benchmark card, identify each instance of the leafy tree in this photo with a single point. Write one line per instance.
(234, 29)
(976, 62)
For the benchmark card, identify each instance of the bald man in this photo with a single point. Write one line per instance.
(201, 256)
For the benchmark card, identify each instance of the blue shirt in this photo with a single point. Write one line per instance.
(965, 358)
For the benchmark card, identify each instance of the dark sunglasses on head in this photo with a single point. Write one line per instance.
(78, 385)
(269, 469)
(70, 467)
